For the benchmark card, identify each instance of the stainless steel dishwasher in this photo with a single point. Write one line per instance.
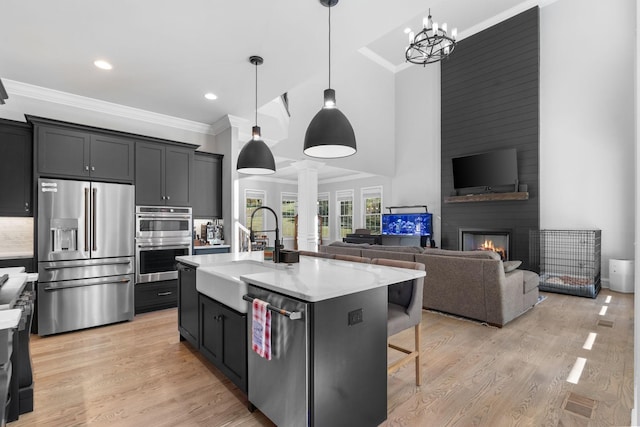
(280, 387)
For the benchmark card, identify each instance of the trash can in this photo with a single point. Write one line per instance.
(621, 275)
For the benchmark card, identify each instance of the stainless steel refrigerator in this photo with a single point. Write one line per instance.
(86, 261)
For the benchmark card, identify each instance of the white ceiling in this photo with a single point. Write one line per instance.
(167, 54)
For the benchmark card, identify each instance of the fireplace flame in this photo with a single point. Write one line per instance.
(489, 246)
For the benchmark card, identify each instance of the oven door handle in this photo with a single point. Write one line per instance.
(186, 245)
(109, 282)
(97, 264)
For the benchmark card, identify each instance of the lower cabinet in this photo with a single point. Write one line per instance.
(156, 295)
(223, 339)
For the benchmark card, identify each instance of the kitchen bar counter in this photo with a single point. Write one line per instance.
(312, 279)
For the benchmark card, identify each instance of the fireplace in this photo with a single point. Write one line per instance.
(475, 239)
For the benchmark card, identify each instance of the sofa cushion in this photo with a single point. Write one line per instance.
(510, 265)
(403, 249)
(464, 254)
(531, 281)
(400, 256)
(345, 244)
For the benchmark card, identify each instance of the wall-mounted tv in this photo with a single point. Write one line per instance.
(407, 224)
(487, 170)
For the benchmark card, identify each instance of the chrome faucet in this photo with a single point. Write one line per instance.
(252, 237)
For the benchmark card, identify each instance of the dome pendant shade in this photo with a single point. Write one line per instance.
(255, 158)
(329, 135)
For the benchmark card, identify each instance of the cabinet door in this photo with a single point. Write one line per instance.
(112, 158)
(178, 176)
(207, 200)
(234, 346)
(15, 170)
(223, 339)
(188, 304)
(150, 174)
(210, 329)
(63, 152)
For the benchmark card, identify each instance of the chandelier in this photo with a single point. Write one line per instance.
(431, 44)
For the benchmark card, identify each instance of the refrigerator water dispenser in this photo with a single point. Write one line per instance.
(64, 234)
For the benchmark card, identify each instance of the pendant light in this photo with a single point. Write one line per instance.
(329, 134)
(255, 158)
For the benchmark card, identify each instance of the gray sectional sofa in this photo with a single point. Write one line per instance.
(471, 284)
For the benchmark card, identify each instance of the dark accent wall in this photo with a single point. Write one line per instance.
(490, 101)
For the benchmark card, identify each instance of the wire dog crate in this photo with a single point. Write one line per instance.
(568, 261)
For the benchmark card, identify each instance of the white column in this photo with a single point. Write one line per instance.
(307, 204)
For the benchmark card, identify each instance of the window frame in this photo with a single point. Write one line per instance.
(343, 195)
(371, 193)
(286, 196)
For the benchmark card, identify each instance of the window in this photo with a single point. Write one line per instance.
(252, 200)
(372, 209)
(323, 213)
(344, 203)
(289, 209)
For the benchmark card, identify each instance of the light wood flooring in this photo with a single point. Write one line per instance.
(139, 374)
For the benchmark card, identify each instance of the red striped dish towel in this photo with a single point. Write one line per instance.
(261, 329)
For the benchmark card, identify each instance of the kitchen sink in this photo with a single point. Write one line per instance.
(222, 282)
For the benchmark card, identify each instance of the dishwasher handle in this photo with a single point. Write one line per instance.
(293, 315)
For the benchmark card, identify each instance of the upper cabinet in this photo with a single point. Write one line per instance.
(15, 169)
(207, 200)
(67, 150)
(164, 174)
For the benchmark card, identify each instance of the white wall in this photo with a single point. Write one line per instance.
(417, 141)
(80, 110)
(364, 93)
(587, 136)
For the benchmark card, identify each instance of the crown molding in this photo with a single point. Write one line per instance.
(77, 101)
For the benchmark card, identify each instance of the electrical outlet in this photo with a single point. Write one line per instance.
(355, 317)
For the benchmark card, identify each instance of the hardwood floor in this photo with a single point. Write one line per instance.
(139, 373)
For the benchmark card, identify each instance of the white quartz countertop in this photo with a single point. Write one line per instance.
(312, 279)
(9, 319)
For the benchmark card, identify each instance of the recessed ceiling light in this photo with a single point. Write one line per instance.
(407, 30)
(104, 65)
(210, 95)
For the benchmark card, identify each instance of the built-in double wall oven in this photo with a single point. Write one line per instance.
(162, 234)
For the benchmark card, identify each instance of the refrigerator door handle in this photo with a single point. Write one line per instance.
(93, 220)
(86, 219)
(110, 282)
(60, 267)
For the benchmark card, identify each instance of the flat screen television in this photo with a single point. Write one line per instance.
(406, 224)
(491, 169)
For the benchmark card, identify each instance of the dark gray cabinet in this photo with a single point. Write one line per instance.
(188, 304)
(207, 200)
(164, 174)
(15, 168)
(223, 339)
(76, 153)
(155, 295)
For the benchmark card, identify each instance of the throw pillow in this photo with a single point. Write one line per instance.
(511, 265)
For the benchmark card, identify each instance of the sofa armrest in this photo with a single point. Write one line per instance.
(503, 293)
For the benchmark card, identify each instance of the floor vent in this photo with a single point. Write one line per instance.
(605, 323)
(580, 405)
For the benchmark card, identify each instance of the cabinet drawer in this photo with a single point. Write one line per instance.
(156, 295)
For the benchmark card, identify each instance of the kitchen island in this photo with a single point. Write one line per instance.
(329, 333)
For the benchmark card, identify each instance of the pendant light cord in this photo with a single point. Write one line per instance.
(256, 93)
(329, 45)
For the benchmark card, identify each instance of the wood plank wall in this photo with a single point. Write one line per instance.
(490, 101)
